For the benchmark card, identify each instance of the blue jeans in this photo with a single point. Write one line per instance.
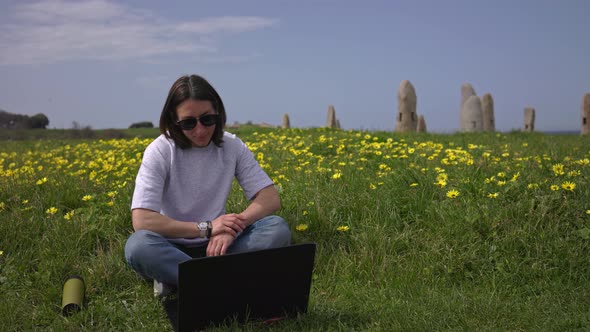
(152, 256)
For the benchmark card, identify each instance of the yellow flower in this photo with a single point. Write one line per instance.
(52, 210)
(342, 228)
(413, 184)
(87, 198)
(2, 206)
(1, 252)
(69, 215)
(492, 195)
(441, 183)
(568, 185)
(587, 211)
(558, 169)
(442, 176)
(41, 181)
(305, 212)
(452, 193)
(111, 203)
(301, 227)
(554, 187)
(112, 194)
(574, 173)
(25, 201)
(372, 186)
(336, 176)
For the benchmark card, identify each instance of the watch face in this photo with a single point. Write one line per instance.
(202, 226)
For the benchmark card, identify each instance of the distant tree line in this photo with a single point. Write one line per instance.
(19, 121)
(145, 124)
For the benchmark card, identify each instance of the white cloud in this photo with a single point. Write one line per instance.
(58, 10)
(225, 24)
(52, 31)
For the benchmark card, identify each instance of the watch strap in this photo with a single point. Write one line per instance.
(209, 229)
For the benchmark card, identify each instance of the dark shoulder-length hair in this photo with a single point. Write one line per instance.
(192, 87)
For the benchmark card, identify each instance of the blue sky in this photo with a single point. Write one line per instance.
(108, 64)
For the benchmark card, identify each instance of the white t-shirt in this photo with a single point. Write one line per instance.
(194, 184)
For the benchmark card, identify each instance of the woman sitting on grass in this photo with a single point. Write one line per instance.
(181, 189)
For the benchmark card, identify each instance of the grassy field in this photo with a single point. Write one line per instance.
(415, 232)
(83, 133)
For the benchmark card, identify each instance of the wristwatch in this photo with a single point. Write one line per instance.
(203, 226)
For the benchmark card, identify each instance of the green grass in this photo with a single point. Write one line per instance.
(411, 259)
(83, 133)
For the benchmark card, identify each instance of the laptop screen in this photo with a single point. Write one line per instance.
(261, 284)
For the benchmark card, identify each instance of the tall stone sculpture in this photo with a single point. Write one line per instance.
(406, 105)
(467, 91)
(529, 119)
(338, 124)
(586, 114)
(471, 115)
(331, 121)
(487, 109)
(421, 127)
(286, 122)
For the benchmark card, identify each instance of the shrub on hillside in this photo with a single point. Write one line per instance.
(20, 121)
(39, 121)
(145, 124)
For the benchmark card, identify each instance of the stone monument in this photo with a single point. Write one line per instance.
(406, 120)
(471, 115)
(586, 114)
(487, 109)
(529, 119)
(331, 121)
(421, 127)
(286, 122)
(466, 92)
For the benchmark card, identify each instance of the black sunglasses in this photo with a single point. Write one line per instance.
(206, 120)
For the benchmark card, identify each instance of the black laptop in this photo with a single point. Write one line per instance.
(257, 285)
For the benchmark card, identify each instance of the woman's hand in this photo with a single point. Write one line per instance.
(218, 244)
(231, 224)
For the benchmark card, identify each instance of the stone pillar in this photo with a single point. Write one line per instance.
(466, 92)
(286, 122)
(421, 127)
(586, 114)
(471, 115)
(487, 109)
(331, 121)
(406, 105)
(529, 119)
(338, 124)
